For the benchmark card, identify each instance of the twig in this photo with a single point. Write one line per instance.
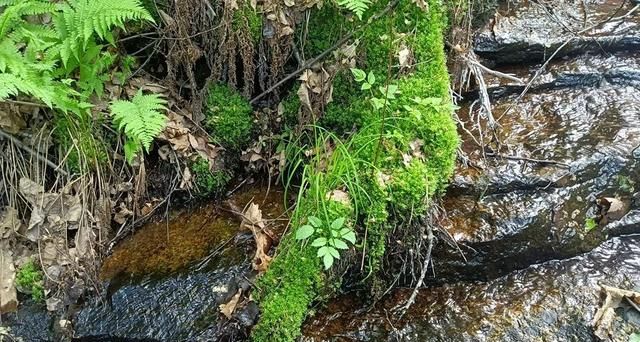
(324, 54)
(423, 273)
(29, 150)
(532, 160)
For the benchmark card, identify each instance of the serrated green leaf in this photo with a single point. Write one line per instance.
(340, 244)
(351, 237)
(322, 251)
(304, 232)
(344, 231)
(314, 221)
(327, 259)
(334, 252)
(337, 223)
(365, 86)
(319, 242)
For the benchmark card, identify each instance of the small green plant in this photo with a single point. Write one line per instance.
(386, 93)
(358, 7)
(590, 224)
(29, 280)
(141, 121)
(330, 238)
(40, 59)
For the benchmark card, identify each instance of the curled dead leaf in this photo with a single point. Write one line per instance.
(252, 221)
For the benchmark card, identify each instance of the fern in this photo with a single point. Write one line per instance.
(140, 119)
(80, 19)
(31, 55)
(358, 7)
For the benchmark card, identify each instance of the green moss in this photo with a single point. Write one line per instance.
(29, 280)
(228, 117)
(209, 182)
(294, 279)
(401, 163)
(248, 18)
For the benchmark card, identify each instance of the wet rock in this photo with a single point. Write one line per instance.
(554, 301)
(175, 308)
(533, 30)
(528, 202)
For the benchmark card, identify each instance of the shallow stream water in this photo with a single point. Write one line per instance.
(526, 268)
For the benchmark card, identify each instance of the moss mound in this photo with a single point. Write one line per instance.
(391, 167)
(228, 117)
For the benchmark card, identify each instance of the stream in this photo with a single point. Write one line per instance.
(534, 242)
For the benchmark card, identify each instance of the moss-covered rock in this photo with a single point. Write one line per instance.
(404, 155)
(228, 117)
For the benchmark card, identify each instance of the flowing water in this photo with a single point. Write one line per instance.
(528, 264)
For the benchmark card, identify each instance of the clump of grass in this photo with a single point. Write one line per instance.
(29, 280)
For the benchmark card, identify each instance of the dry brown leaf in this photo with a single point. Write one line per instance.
(252, 221)
(339, 196)
(8, 293)
(9, 222)
(186, 182)
(51, 211)
(606, 314)
(228, 308)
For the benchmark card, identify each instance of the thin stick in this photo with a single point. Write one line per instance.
(423, 273)
(29, 150)
(324, 54)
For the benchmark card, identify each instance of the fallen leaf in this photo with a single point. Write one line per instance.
(252, 221)
(186, 182)
(9, 222)
(8, 293)
(339, 196)
(228, 308)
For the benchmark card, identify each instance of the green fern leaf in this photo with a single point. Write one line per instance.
(140, 119)
(80, 19)
(358, 7)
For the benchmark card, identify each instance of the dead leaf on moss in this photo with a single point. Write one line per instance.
(252, 221)
(339, 196)
(228, 308)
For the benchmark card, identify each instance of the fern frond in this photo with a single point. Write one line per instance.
(141, 118)
(15, 11)
(358, 7)
(80, 19)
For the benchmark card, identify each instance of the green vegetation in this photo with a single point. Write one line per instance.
(209, 182)
(250, 18)
(590, 224)
(229, 117)
(53, 52)
(29, 280)
(141, 121)
(402, 156)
